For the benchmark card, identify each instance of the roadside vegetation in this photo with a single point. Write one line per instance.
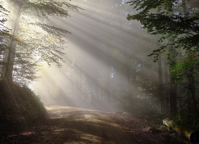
(20, 108)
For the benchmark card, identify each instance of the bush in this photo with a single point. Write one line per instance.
(19, 106)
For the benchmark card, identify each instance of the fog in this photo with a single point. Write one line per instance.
(106, 64)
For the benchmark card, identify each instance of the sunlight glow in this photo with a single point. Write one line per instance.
(99, 32)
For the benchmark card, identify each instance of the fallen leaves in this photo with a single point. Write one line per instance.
(145, 133)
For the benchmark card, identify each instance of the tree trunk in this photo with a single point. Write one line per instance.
(81, 81)
(173, 90)
(97, 90)
(180, 59)
(184, 7)
(78, 80)
(166, 82)
(127, 75)
(108, 60)
(161, 95)
(12, 49)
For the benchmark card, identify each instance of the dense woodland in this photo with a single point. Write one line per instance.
(141, 58)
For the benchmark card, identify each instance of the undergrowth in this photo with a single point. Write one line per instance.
(19, 107)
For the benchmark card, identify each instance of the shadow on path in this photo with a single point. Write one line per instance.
(69, 125)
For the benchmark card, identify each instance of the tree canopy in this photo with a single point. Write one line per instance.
(42, 40)
(181, 28)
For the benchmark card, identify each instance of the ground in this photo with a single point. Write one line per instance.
(67, 125)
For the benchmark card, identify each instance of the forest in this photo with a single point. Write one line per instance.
(99, 71)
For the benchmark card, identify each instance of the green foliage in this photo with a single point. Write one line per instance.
(43, 8)
(180, 29)
(146, 5)
(4, 31)
(162, 129)
(180, 68)
(185, 68)
(187, 121)
(35, 46)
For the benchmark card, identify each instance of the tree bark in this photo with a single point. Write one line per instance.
(161, 95)
(173, 90)
(108, 60)
(81, 81)
(166, 82)
(184, 7)
(11, 52)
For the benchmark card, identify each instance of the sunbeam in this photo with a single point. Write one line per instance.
(98, 71)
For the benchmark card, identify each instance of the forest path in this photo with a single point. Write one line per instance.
(88, 126)
(68, 125)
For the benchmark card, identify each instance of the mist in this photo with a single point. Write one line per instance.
(106, 64)
(99, 71)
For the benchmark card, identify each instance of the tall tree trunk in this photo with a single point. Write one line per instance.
(97, 89)
(191, 97)
(108, 88)
(12, 49)
(78, 81)
(81, 81)
(166, 82)
(173, 90)
(127, 70)
(180, 57)
(161, 95)
(184, 7)
(108, 60)
(75, 80)
(73, 87)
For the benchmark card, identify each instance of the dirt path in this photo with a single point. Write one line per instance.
(75, 126)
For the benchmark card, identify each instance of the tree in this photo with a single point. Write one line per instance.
(166, 19)
(4, 32)
(50, 49)
(160, 85)
(5, 36)
(181, 29)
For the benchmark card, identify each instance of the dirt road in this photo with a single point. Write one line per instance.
(75, 126)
